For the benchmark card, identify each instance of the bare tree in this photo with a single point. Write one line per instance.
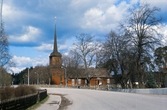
(4, 53)
(39, 75)
(115, 56)
(140, 28)
(86, 48)
(4, 58)
(71, 62)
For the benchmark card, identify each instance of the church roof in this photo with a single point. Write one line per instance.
(55, 50)
(92, 72)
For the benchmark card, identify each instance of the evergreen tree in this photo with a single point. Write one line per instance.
(151, 83)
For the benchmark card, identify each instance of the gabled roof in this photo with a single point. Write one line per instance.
(91, 72)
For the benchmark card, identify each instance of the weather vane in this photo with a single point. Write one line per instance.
(55, 19)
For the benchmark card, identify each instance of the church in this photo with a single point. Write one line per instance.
(55, 62)
(58, 72)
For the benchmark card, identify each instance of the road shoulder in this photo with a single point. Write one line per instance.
(53, 103)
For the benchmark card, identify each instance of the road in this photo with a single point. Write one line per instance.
(83, 99)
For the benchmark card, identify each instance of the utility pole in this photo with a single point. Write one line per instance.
(65, 75)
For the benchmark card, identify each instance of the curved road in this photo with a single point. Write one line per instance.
(83, 99)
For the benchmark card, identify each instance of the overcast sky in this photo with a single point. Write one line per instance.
(30, 24)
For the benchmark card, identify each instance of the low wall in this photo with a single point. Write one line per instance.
(160, 91)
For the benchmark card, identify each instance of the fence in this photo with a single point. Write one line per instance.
(24, 102)
(42, 94)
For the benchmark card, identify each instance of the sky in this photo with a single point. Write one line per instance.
(29, 25)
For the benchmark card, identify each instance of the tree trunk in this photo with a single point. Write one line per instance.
(141, 83)
(130, 84)
(123, 86)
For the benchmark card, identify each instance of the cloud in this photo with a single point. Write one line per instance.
(62, 43)
(16, 69)
(87, 4)
(20, 61)
(12, 14)
(30, 34)
(134, 1)
(24, 62)
(163, 31)
(103, 20)
(45, 47)
(40, 60)
(66, 44)
(155, 2)
(160, 4)
(93, 17)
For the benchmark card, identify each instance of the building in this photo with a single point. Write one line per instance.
(97, 77)
(55, 62)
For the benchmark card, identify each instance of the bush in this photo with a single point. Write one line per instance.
(11, 92)
(24, 90)
(151, 83)
(6, 93)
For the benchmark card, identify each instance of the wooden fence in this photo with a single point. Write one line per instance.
(24, 102)
(42, 94)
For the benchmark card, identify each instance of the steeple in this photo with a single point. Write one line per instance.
(55, 41)
(55, 64)
(55, 50)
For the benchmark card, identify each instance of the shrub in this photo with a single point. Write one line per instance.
(11, 92)
(151, 83)
(23, 90)
(6, 93)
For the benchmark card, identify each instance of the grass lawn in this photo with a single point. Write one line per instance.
(33, 107)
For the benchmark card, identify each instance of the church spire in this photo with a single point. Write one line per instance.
(55, 50)
(55, 41)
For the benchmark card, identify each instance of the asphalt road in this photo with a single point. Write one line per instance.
(106, 100)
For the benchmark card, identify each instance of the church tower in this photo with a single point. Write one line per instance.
(56, 70)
